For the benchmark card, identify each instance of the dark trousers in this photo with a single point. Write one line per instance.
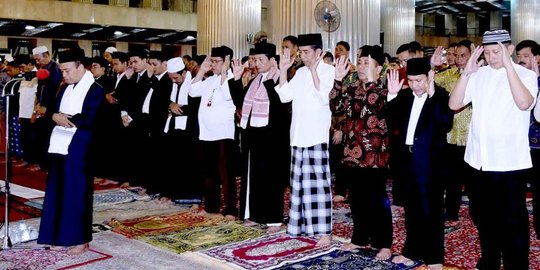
(498, 201)
(424, 222)
(534, 179)
(340, 184)
(28, 141)
(457, 176)
(370, 207)
(218, 172)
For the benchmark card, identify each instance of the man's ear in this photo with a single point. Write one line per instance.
(379, 69)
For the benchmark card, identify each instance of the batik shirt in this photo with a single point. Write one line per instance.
(365, 134)
(534, 130)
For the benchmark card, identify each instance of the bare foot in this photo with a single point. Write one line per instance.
(165, 200)
(400, 259)
(78, 249)
(384, 254)
(98, 180)
(274, 229)
(324, 241)
(438, 266)
(125, 185)
(249, 223)
(350, 247)
(108, 182)
(230, 218)
(339, 198)
(194, 207)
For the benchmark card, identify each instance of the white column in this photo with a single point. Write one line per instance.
(360, 22)
(227, 22)
(524, 20)
(397, 23)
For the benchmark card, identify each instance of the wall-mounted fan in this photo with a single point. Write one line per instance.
(327, 16)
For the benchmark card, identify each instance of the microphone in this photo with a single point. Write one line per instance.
(42, 74)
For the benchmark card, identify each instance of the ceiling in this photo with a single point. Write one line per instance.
(23, 28)
(443, 7)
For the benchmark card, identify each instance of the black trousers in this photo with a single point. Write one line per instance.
(218, 172)
(370, 206)
(498, 201)
(28, 141)
(424, 221)
(534, 178)
(340, 184)
(457, 177)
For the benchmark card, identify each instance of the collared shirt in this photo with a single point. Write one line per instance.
(498, 137)
(416, 109)
(119, 78)
(216, 113)
(311, 116)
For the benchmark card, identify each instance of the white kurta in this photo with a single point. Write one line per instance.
(311, 116)
(498, 136)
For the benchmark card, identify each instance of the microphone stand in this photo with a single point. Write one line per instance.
(7, 92)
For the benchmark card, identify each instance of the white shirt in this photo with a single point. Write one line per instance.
(537, 110)
(216, 112)
(146, 103)
(27, 98)
(119, 78)
(311, 114)
(416, 109)
(498, 136)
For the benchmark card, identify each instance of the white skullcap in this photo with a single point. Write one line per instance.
(39, 50)
(111, 50)
(175, 64)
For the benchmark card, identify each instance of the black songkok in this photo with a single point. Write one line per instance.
(222, 52)
(71, 55)
(376, 53)
(268, 49)
(418, 66)
(310, 40)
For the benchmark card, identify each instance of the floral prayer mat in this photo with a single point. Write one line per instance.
(103, 198)
(202, 237)
(47, 259)
(345, 260)
(268, 251)
(161, 224)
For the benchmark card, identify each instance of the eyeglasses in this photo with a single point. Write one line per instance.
(216, 61)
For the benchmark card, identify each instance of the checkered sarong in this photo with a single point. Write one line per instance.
(311, 199)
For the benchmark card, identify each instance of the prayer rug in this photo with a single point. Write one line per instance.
(47, 259)
(103, 198)
(136, 209)
(268, 251)
(161, 224)
(345, 260)
(131, 254)
(202, 238)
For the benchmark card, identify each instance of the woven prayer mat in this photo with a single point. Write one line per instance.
(345, 260)
(103, 198)
(268, 251)
(131, 254)
(136, 209)
(161, 224)
(47, 259)
(202, 237)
